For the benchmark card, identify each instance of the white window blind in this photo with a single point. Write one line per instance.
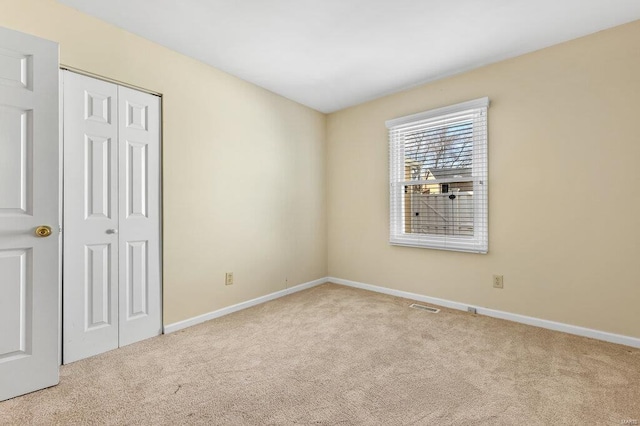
(438, 178)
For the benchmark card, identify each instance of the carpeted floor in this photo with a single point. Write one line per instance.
(336, 355)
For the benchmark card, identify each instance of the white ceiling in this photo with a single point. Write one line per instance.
(331, 54)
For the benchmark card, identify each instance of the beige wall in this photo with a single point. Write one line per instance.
(564, 219)
(244, 184)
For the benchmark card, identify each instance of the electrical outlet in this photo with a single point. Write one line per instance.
(228, 279)
(498, 281)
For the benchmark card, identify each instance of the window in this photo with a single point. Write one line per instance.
(438, 176)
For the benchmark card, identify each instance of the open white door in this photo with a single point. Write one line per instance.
(29, 214)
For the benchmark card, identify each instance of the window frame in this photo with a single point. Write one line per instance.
(474, 110)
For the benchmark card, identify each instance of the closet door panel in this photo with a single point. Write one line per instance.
(90, 273)
(139, 245)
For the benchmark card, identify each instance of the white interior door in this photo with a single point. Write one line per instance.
(90, 273)
(29, 198)
(111, 284)
(140, 302)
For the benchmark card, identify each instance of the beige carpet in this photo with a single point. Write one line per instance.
(335, 355)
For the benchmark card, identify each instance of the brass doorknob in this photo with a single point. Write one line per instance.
(43, 231)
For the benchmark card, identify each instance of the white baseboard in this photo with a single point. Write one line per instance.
(170, 328)
(537, 322)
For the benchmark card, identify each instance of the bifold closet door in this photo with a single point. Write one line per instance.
(111, 231)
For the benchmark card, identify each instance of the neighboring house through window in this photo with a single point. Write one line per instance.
(438, 177)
